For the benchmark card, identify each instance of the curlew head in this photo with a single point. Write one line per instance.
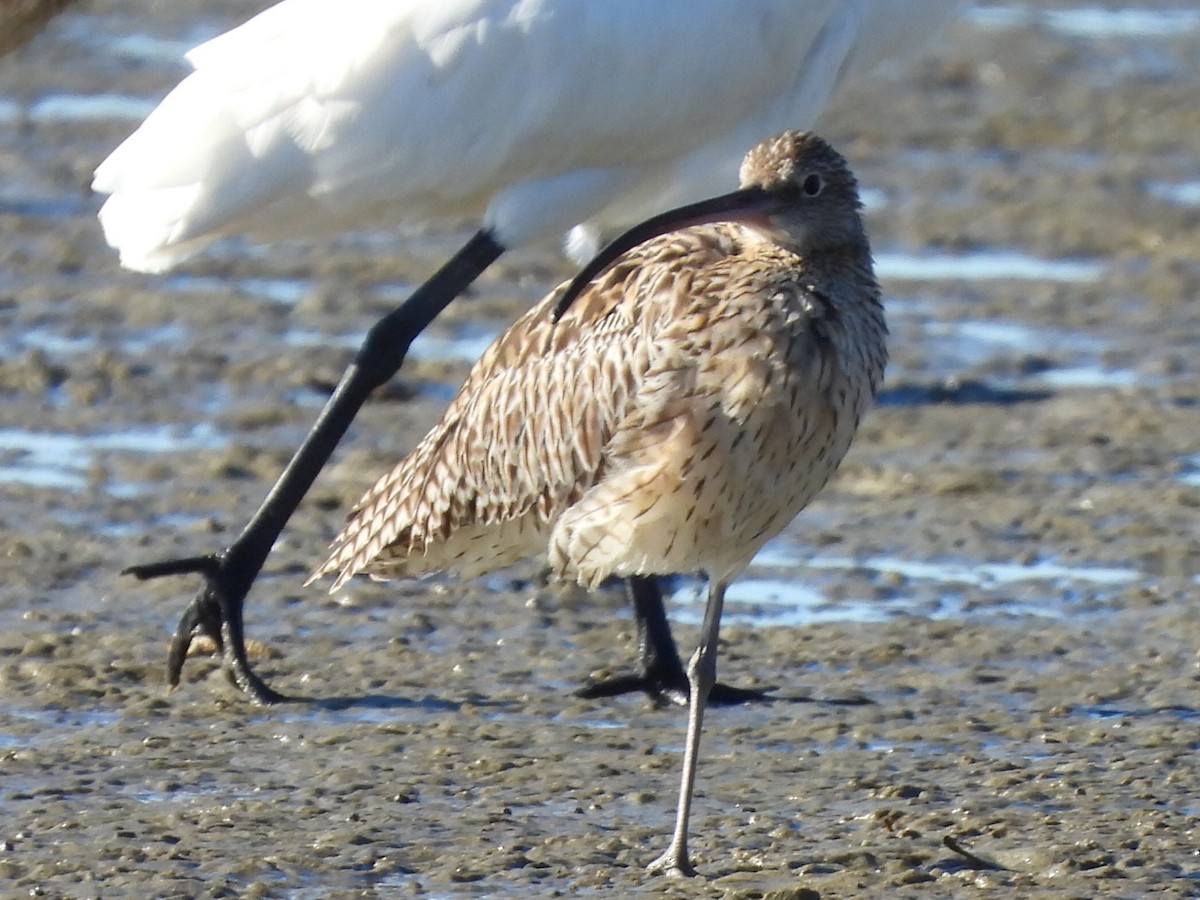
(796, 191)
(802, 195)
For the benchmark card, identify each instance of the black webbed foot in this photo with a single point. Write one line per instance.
(668, 689)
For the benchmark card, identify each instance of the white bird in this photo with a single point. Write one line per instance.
(532, 117)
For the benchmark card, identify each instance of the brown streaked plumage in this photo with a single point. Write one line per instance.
(694, 398)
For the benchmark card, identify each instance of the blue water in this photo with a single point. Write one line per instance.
(1186, 193)
(1090, 22)
(783, 586)
(991, 265)
(88, 108)
(61, 461)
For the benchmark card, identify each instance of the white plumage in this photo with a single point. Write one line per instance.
(537, 115)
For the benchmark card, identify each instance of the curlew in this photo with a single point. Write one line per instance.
(673, 417)
(531, 117)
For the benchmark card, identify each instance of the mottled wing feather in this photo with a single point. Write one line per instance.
(525, 435)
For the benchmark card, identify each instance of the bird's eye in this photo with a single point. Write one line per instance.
(813, 185)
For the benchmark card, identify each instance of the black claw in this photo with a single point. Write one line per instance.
(247, 681)
(207, 566)
(237, 667)
(727, 695)
(197, 620)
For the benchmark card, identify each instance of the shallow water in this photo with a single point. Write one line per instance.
(1088, 21)
(983, 629)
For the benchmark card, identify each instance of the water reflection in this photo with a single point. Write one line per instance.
(287, 291)
(62, 461)
(59, 108)
(1093, 22)
(937, 589)
(1186, 193)
(986, 265)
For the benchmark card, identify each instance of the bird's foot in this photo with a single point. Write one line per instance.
(215, 613)
(667, 688)
(674, 862)
(634, 682)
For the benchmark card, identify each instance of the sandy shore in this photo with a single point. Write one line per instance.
(983, 631)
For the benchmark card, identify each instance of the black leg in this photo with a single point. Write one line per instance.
(660, 672)
(216, 610)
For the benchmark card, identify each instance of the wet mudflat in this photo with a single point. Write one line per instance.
(984, 630)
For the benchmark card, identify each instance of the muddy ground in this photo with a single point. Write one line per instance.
(984, 630)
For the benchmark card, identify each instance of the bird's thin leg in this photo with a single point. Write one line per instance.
(660, 671)
(216, 610)
(702, 675)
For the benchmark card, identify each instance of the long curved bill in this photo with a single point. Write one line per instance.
(745, 205)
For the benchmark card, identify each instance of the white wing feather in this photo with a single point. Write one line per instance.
(315, 117)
